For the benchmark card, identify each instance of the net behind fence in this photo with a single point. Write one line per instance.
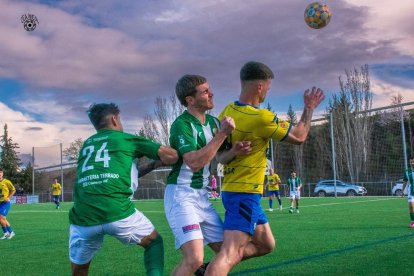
(367, 151)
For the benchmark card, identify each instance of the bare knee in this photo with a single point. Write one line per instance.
(193, 262)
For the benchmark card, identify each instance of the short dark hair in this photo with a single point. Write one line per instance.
(186, 86)
(254, 70)
(1, 169)
(98, 114)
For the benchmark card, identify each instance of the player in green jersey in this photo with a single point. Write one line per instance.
(107, 177)
(295, 184)
(197, 136)
(408, 180)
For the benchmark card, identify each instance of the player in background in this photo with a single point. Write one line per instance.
(214, 187)
(408, 179)
(7, 191)
(107, 177)
(247, 232)
(197, 136)
(273, 181)
(56, 192)
(295, 184)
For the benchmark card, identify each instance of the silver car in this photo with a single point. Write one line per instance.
(397, 188)
(326, 187)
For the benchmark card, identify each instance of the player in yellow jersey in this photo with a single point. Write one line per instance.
(246, 230)
(56, 192)
(273, 181)
(7, 191)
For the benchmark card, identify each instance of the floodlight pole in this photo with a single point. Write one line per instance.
(61, 172)
(333, 153)
(403, 138)
(33, 170)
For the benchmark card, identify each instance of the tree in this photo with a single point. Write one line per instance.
(9, 160)
(165, 112)
(72, 152)
(352, 123)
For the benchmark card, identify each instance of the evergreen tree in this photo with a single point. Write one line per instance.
(9, 160)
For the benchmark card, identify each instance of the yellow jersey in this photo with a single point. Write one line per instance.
(273, 181)
(245, 173)
(56, 189)
(6, 187)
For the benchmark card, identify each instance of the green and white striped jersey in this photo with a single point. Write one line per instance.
(189, 134)
(294, 183)
(107, 176)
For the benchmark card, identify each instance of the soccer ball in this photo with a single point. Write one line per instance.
(317, 15)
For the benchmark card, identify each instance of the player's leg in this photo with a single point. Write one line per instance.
(277, 193)
(58, 202)
(154, 254)
(292, 199)
(231, 252)
(262, 242)
(5, 225)
(84, 242)
(212, 228)
(411, 210)
(184, 220)
(271, 196)
(297, 201)
(138, 229)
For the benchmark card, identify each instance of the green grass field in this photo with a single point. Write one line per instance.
(344, 236)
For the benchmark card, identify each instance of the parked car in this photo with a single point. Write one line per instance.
(326, 187)
(397, 188)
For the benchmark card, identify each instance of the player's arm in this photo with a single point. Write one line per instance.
(11, 193)
(298, 133)
(197, 159)
(238, 148)
(403, 187)
(148, 167)
(167, 155)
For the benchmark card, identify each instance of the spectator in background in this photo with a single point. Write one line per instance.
(214, 187)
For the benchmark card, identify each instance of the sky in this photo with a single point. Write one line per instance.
(131, 52)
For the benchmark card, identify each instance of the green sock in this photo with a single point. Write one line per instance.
(154, 257)
(412, 216)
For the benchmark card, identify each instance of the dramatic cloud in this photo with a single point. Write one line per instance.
(130, 52)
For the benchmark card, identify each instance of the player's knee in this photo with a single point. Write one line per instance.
(193, 262)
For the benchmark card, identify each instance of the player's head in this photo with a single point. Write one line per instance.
(1, 173)
(105, 115)
(254, 70)
(187, 86)
(293, 173)
(256, 76)
(412, 162)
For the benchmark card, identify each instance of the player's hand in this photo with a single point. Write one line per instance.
(241, 147)
(227, 125)
(314, 98)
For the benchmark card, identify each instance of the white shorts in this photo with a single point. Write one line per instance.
(191, 216)
(295, 195)
(85, 241)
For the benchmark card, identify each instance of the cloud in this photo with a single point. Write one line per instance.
(28, 133)
(130, 52)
